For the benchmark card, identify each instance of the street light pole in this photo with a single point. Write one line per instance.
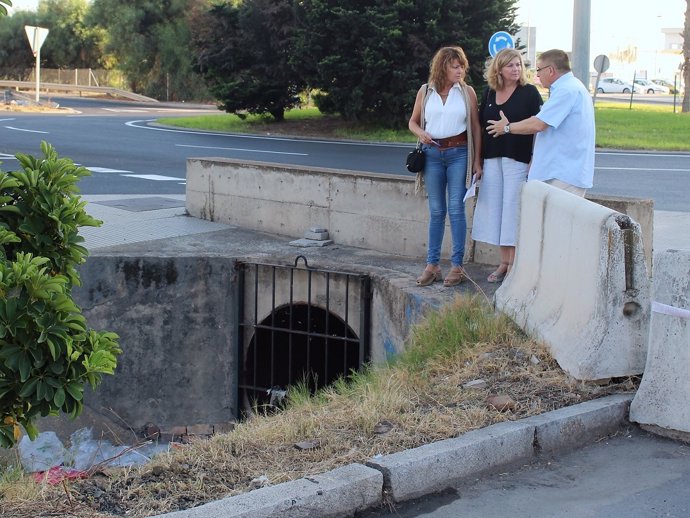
(581, 32)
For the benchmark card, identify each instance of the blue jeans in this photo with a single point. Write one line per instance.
(444, 175)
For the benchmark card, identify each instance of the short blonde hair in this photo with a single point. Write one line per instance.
(493, 72)
(444, 57)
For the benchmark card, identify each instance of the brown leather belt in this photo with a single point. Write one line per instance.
(454, 141)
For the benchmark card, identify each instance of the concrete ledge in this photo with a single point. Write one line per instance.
(340, 492)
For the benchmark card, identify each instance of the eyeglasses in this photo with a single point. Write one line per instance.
(542, 68)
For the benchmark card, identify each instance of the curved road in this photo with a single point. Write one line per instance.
(128, 154)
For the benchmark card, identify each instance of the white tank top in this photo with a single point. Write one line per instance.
(445, 120)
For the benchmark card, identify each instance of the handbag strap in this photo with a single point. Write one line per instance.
(421, 120)
(426, 98)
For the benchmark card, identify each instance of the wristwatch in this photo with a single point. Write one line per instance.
(506, 129)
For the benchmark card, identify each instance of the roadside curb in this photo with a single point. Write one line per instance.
(427, 469)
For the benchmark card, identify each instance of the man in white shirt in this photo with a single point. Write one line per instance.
(564, 146)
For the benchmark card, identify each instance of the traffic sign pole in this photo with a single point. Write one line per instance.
(36, 36)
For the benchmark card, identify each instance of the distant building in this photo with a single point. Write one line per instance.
(673, 38)
(526, 38)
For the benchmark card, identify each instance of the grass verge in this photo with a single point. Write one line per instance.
(646, 126)
(419, 398)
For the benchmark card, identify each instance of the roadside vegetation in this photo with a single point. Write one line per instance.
(421, 397)
(645, 126)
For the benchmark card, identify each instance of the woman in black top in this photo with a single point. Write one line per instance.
(506, 160)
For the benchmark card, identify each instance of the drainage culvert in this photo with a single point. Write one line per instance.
(297, 324)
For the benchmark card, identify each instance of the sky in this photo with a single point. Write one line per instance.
(615, 24)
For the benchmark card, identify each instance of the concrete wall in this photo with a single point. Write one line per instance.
(662, 399)
(175, 321)
(373, 211)
(579, 283)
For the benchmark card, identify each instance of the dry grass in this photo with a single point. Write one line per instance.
(417, 400)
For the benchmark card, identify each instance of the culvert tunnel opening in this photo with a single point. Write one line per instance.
(298, 326)
(297, 344)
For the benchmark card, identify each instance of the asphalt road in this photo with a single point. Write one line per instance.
(128, 154)
(631, 475)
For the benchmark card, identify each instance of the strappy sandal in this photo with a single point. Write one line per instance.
(455, 277)
(498, 275)
(430, 275)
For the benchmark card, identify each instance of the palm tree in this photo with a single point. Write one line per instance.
(3, 9)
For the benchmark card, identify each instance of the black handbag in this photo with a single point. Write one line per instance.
(415, 160)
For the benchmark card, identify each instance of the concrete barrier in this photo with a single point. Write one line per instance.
(579, 283)
(661, 403)
(640, 210)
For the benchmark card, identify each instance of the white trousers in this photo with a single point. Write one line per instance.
(498, 203)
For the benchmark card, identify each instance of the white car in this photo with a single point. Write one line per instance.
(613, 85)
(651, 87)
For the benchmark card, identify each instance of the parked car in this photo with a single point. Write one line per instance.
(651, 87)
(613, 85)
(672, 89)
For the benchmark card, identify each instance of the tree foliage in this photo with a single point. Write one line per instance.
(243, 53)
(365, 58)
(47, 352)
(151, 39)
(15, 52)
(369, 57)
(71, 43)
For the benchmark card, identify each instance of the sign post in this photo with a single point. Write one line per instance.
(601, 64)
(36, 36)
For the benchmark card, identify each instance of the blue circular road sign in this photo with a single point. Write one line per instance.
(500, 40)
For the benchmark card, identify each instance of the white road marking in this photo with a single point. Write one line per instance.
(154, 110)
(27, 130)
(243, 149)
(642, 169)
(156, 177)
(126, 110)
(133, 124)
(107, 170)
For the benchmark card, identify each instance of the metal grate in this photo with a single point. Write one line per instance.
(298, 324)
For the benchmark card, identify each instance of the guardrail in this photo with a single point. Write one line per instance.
(57, 87)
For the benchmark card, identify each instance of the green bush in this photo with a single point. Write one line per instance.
(47, 352)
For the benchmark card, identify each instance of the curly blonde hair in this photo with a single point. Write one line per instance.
(444, 57)
(493, 71)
